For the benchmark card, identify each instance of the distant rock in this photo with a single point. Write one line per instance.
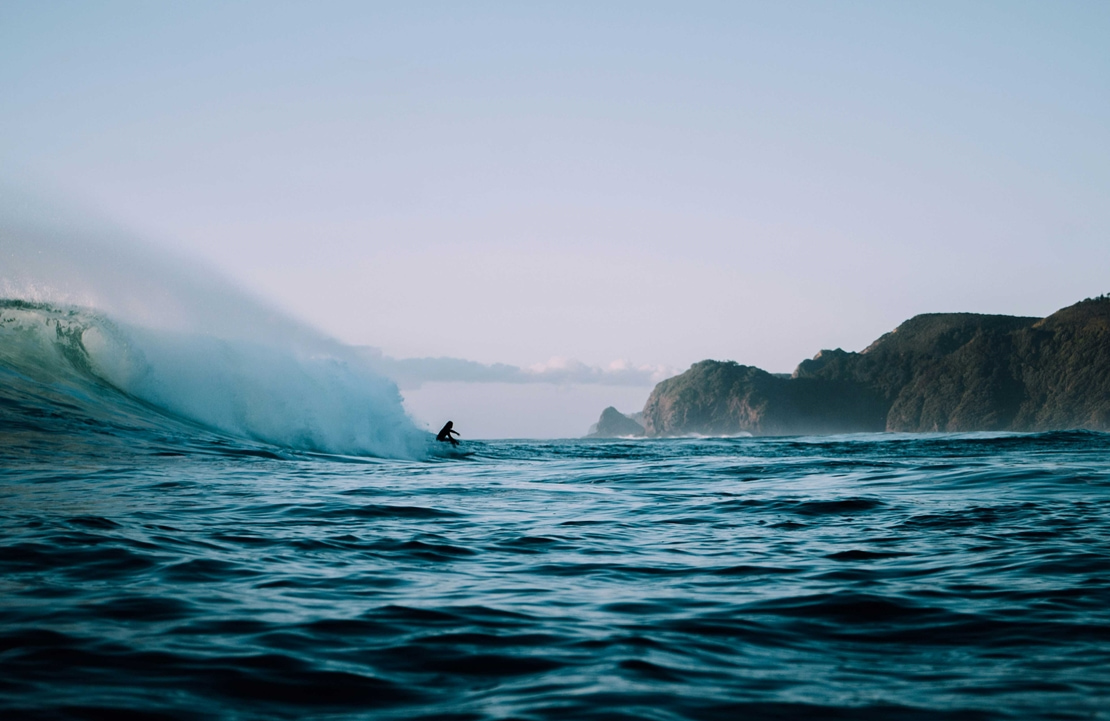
(935, 372)
(614, 424)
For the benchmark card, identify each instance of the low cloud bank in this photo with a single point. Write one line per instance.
(412, 373)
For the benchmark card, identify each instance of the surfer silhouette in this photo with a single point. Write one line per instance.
(444, 434)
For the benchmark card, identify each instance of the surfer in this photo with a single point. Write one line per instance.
(444, 434)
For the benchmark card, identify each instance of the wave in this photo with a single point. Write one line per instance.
(102, 333)
(78, 370)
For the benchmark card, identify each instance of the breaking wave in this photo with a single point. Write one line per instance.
(99, 326)
(73, 365)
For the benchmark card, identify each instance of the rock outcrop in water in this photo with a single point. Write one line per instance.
(614, 424)
(935, 372)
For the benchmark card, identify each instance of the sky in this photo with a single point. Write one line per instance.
(554, 185)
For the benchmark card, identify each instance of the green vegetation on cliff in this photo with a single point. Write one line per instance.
(935, 372)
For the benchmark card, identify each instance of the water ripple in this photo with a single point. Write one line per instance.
(855, 577)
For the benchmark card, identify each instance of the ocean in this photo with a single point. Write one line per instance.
(156, 566)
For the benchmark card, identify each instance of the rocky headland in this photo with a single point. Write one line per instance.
(935, 372)
(614, 424)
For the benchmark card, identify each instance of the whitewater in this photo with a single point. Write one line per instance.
(208, 510)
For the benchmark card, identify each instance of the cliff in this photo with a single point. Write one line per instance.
(935, 372)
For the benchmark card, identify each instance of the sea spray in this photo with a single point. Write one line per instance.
(87, 302)
(319, 401)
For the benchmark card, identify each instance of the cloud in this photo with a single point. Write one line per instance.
(411, 373)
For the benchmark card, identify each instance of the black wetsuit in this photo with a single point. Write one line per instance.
(444, 434)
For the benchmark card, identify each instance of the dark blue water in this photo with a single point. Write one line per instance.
(850, 577)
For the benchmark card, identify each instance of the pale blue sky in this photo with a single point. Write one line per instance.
(658, 182)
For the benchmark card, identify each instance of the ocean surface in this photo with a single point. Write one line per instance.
(154, 567)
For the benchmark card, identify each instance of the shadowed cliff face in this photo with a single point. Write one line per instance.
(935, 372)
(715, 398)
